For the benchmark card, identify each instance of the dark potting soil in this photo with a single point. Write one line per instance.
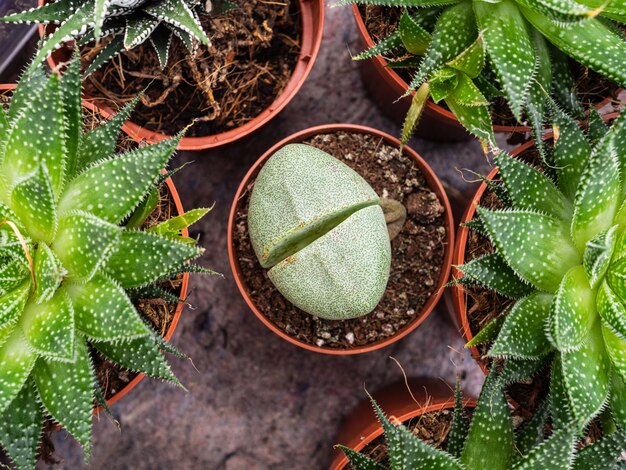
(592, 87)
(417, 252)
(253, 52)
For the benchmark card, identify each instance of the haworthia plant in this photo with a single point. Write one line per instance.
(468, 52)
(72, 254)
(489, 441)
(127, 23)
(560, 252)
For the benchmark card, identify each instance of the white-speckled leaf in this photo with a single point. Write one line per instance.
(360, 461)
(536, 246)
(49, 326)
(103, 311)
(138, 29)
(611, 309)
(71, 98)
(342, 274)
(598, 253)
(17, 360)
(618, 401)
(49, 273)
(555, 453)
(66, 390)
(414, 37)
(178, 14)
(84, 243)
(11, 308)
(616, 349)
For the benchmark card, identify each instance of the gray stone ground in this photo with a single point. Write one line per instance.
(255, 402)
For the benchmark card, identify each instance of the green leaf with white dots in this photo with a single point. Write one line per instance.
(142, 258)
(178, 14)
(555, 453)
(460, 425)
(587, 377)
(33, 200)
(38, 136)
(391, 42)
(360, 461)
(618, 401)
(172, 227)
(563, 83)
(475, 119)
(521, 370)
(471, 61)
(138, 29)
(17, 360)
(66, 390)
(49, 326)
(11, 307)
(112, 188)
(523, 333)
(13, 271)
(414, 38)
(616, 348)
(21, 428)
(489, 441)
(488, 333)
(601, 454)
(531, 433)
(560, 411)
(103, 311)
(536, 246)
(598, 253)
(84, 243)
(573, 311)
(71, 97)
(530, 189)
(509, 47)
(161, 41)
(49, 273)
(611, 309)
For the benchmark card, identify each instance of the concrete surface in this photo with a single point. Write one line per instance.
(255, 402)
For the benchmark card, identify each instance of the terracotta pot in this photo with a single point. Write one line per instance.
(185, 281)
(361, 426)
(312, 14)
(431, 179)
(386, 87)
(458, 292)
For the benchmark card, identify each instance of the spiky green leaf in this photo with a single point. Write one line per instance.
(531, 433)
(555, 453)
(17, 360)
(598, 253)
(172, 227)
(460, 425)
(360, 461)
(178, 14)
(49, 273)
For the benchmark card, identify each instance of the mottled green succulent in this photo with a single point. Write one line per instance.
(318, 226)
(468, 52)
(128, 23)
(490, 441)
(72, 256)
(560, 253)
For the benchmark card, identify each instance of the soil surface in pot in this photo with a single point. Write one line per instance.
(253, 52)
(592, 87)
(417, 253)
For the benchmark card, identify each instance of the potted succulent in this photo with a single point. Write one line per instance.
(475, 56)
(307, 234)
(82, 242)
(488, 440)
(549, 240)
(224, 67)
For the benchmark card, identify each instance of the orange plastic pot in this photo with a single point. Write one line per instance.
(361, 426)
(312, 14)
(432, 181)
(185, 281)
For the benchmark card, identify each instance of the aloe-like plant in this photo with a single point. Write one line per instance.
(467, 52)
(490, 441)
(128, 23)
(72, 256)
(560, 253)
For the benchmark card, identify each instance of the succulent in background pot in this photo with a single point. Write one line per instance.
(327, 222)
(184, 86)
(74, 254)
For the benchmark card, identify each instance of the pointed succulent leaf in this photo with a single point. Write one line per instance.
(49, 273)
(555, 453)
(517, 370)
(49, 326)
(442, 83)
(536, 246)
(28, 88)
(101, 9)
(510, 49)
(560, 410)
(563, 83)
(71, 98)
(33, 200)
(185, 38)
(12, 274)
(103, 311)
(601, 454)
(66, 391)
(391, 42)
(488, 333)
(471, 61)
(112, 188)
(84, 243)
(17, 360)
(54, 12)
(413, 116)
(414, 38)
(112, 49)
(152, 292)
(360, 461)
(466, 93)
(531, 433)
(560, 10)
(489, 441)
(618, 401)
(530, 189)
(523, 332)
(178, 14)
(460, 425)
(475, 119)
(616, 348)
(611, 310)
(11, 306)
(598, 253)
(587, 377)
(573, 311)
(144, 210)
(38, 136)
(161, 41)
(138, 29)
(172, 227)
(596, 127)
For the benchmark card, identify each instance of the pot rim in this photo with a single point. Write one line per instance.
(185, 281)
(433, 182)
(312, 21)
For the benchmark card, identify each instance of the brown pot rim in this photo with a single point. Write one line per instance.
(312, 30)
(433, 182)
(458, 291)
(185, 281)
(430, 104)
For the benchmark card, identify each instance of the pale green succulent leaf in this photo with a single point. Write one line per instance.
(66, 391)
(601, 454)
(492, 271)
(112, 188)
(172, 227)
(611, 309)
(144, 210)
(475, 119)
(523, 332)
(21, 428)
(535, 245)
(618, 401)
(33, 200)
(488, 333)
(49, 273)
(471, 61)
(460, 425)
(391, 42)
(178, 14)
(12, 274)
(413, 116)
(84, 243)
(28, 88)
(560, 10)
(71, 97)
(152, 291)
(49, 326)
(17, 360)
(466, 93)
(360, 461)
(573, 311)
(616, 349)
(414, 38)
(138, 29)
(11, 307)
(555, 453)
(598, 253)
